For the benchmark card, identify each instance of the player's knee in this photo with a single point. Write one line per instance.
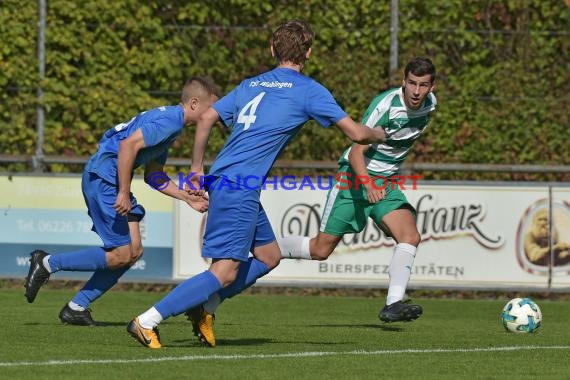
(269, 255)
(227, 279)
(413, 238)
(120, 257)
(118, 261)
(136, 253)
(225, 270)
(124, 261)
(272, 261)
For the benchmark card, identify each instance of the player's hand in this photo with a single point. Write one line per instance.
(197, 188)
(199, 203)
(196, 192)
(123, 204)
(379, 134)
(374, 194)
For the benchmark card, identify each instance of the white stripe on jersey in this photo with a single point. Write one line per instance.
(399, 134)
(405, 113)
(391, 151)
(328, 207)
(381, 167)
(376, 114)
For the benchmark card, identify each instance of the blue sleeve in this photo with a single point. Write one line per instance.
(322, 106)
(226, 108)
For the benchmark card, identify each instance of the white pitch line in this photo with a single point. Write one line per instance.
(285, 355)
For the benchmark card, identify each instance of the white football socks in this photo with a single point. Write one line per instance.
(295, 247)
(150, 318)
(400, 271)
(45, 261)
(74, 306)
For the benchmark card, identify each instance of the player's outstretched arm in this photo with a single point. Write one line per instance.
(155, 177)
(204, 126)
(359, 133)
(358, 164)
(128, 150)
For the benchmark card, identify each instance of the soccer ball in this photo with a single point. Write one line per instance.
(521, 315)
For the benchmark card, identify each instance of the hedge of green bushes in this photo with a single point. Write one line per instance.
(503, 85)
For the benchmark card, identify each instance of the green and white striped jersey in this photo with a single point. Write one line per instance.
(403, 126)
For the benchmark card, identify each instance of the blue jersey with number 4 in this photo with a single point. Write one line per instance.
(265, 112)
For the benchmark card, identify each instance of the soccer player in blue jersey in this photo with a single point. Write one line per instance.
(265, 112)
(115, 212)
(403, 112)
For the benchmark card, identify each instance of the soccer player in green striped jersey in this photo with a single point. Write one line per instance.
(403, 113)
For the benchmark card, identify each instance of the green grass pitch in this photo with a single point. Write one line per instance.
(282, 337)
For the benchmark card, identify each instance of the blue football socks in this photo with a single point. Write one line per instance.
(101, 281)
(85, 260)
(249, 271)
(192, 292)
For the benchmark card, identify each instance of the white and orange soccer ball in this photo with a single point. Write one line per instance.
(521, 315)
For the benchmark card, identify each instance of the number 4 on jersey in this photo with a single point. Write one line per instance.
(247, 114)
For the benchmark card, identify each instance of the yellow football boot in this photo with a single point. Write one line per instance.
(147, 337)
(202, 325)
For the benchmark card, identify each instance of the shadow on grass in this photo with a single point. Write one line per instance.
(110, 324)
(97, 324)
(221, 342)
(384, 327)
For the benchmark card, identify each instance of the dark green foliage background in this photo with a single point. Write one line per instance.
(503, 85)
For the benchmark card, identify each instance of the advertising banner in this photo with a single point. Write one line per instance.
(559, 238)
(49, 213)
(473, 236)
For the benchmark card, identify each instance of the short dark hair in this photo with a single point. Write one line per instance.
(420, 66)
(291, 41)
(199, 87)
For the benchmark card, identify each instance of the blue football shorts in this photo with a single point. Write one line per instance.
(100, 197)
(236, 223)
